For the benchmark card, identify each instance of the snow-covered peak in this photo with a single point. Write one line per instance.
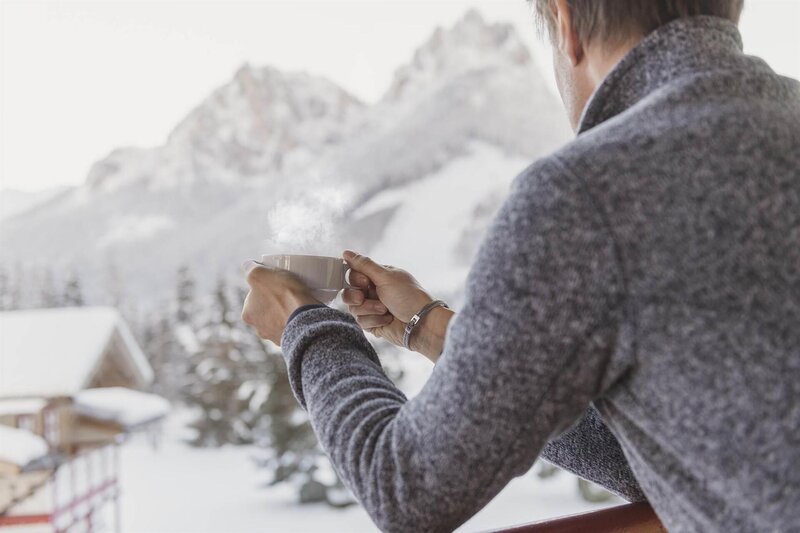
(264, 121)
(471, 44)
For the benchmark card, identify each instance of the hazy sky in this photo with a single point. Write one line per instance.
(78, 79)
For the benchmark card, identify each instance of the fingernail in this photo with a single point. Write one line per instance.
(381, 308)
(347, 254)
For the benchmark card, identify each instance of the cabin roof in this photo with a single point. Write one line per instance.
(19, 447)
(54, 352)
(125, 407)
(21, 406)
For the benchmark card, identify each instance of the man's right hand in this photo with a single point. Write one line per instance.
(383, 299)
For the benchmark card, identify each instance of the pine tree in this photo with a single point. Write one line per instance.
(5, 289)
(167, 356)
(240, 387)
(219, 368)
(114, 286)
(170, 338)
(49, 295)
(291, 451)
(185, 296)
(16, 295)
(73, 294)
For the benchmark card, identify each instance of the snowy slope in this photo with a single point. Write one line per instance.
(474, 81)
(14, 202)
(429, 230)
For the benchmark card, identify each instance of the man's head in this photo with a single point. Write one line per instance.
(589, 37)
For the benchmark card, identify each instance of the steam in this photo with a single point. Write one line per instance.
(309, 223)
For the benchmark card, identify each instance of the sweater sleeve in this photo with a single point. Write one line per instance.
(531, 348)
(591, 451)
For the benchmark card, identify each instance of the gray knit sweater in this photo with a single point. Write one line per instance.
(651, 269)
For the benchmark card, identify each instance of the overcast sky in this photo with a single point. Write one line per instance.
(79, 79)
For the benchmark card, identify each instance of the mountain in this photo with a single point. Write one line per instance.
(14, 202)
(475, 81)
(262, 123)
(275, 161)
(471, 45)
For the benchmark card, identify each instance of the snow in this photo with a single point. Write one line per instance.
(14, 202)
(472, 44)
(126, 407)
(178, 488)
(22, 406)
(227, 183)
(433, 213)
(52, 352)
(20, 447)
(262, 122)
(187, 338)
(132, 228)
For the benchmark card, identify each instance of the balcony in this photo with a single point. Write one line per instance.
(629, 518)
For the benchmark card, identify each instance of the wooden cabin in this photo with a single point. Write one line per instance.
(71, 380)
(50, 355)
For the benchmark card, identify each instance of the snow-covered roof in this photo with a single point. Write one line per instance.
(53, 352)
(20, 447)
(125, 407)
(21, 406)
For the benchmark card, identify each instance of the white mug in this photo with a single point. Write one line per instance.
(326, 276)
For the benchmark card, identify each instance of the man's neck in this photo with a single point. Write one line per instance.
(602, 60)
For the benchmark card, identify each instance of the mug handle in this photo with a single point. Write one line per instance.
(345, 275)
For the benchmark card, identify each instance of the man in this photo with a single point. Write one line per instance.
(632, 315)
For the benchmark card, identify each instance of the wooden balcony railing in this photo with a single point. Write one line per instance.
(72, 495)
(629, 518)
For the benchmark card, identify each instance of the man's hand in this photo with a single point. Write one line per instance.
(274, 295)
(384, 300)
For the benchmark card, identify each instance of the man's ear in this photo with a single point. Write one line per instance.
(567, 39)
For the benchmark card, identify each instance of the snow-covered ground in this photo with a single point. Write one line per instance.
(177, 488)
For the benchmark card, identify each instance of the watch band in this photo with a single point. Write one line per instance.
(416, 318)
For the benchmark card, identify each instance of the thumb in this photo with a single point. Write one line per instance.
(365, 265)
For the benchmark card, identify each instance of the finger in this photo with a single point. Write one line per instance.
(369, 307)
(372, 293)
(373, 321)
(246, 313)
(353, 296)
(249, 265)
(365, 265)
(254, 271)
(359, 280)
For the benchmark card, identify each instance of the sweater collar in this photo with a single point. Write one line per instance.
(676, 48)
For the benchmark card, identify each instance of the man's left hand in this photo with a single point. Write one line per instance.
(274, 295)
